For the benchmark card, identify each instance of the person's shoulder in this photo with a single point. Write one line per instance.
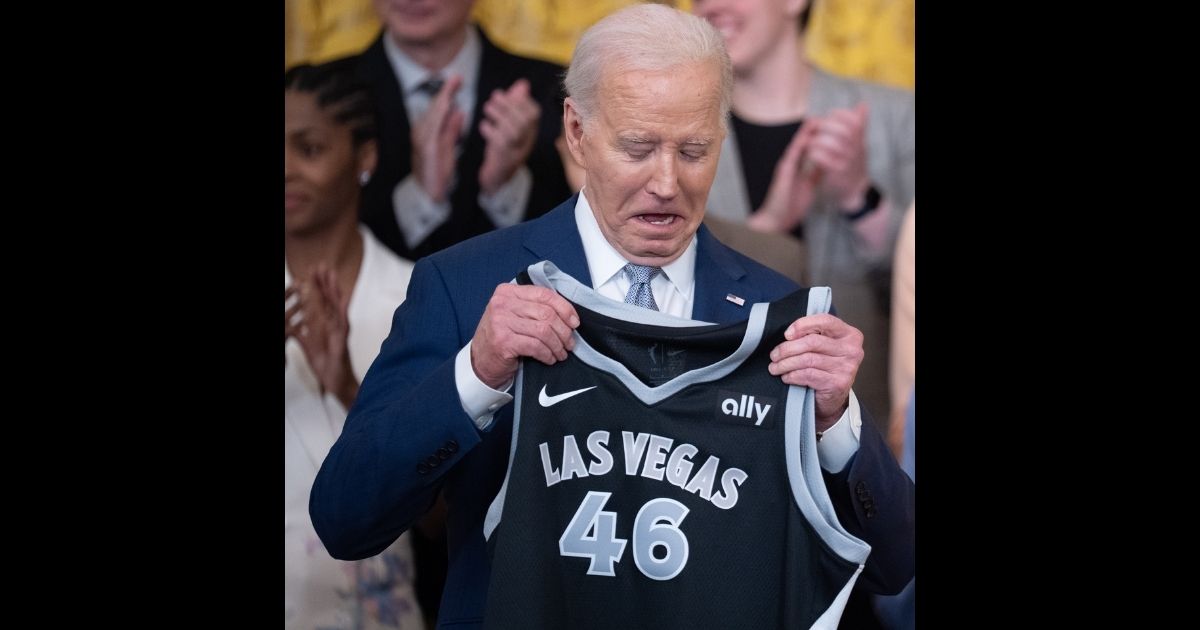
(368, 62)
(375, 251)
(373, 49)
(871, 90)
(781, 252)
(489, 249)
(767, 280)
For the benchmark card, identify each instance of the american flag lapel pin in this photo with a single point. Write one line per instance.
(735, 299)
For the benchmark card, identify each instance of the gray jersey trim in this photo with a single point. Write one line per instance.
(547, 275)
(803, 465)
(496, 509)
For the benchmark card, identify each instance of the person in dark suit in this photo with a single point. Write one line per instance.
(648, 99)
(467, 130)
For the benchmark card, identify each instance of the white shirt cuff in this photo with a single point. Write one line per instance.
(416, 213)
(478, 400)
(506, 206)
(840, 442)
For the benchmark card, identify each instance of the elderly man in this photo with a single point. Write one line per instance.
(434, 410)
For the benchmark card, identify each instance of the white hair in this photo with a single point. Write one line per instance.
(648, 37)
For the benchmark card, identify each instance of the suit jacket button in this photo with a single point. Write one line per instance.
(868, 505)
(432, 462)
(422, 469)
(861, 487)
(451, 446)
(442, 453)
(871, 513)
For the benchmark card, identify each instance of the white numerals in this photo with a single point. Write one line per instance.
(603, 546)
(656, 526)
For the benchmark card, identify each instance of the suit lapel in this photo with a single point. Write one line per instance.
(555, 237)
(393, 117)
(493, 75)
(719, 274)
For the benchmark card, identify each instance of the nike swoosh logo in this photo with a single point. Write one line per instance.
(547, 401)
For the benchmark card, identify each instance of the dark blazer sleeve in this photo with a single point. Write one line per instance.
(405, 431)
(876, 501)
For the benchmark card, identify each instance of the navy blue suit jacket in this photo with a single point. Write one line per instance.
(407, 436)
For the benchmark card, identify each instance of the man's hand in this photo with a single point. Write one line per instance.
(318, 320)
(793, 187)
(434, 138)
(821, 352)
(839, 151)
(509, 127)
(521, 321)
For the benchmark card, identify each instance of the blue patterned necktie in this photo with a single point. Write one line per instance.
(639, 287)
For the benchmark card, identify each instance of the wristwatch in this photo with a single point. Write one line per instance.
(869, 206)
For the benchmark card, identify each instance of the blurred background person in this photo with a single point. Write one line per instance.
(340, 289)
(467, 130)
(828, 159)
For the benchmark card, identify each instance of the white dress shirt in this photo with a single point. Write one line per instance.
(416, 213)
(673, 291)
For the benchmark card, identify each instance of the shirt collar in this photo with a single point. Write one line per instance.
(604, 261)
(411, 74)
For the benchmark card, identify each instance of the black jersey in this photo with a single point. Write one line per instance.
(662, 478)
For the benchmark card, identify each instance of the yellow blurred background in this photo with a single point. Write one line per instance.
(865, 39)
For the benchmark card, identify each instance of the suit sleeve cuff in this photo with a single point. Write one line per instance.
(506, 206)
(479, 401)
(416, 212)
(840, 442)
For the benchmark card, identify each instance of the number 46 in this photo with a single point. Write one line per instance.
(656, 525)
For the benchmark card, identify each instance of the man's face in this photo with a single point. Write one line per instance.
(422, 22)
(751, 28)
(650, 151)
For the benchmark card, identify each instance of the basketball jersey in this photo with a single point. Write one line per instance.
(660, 477)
